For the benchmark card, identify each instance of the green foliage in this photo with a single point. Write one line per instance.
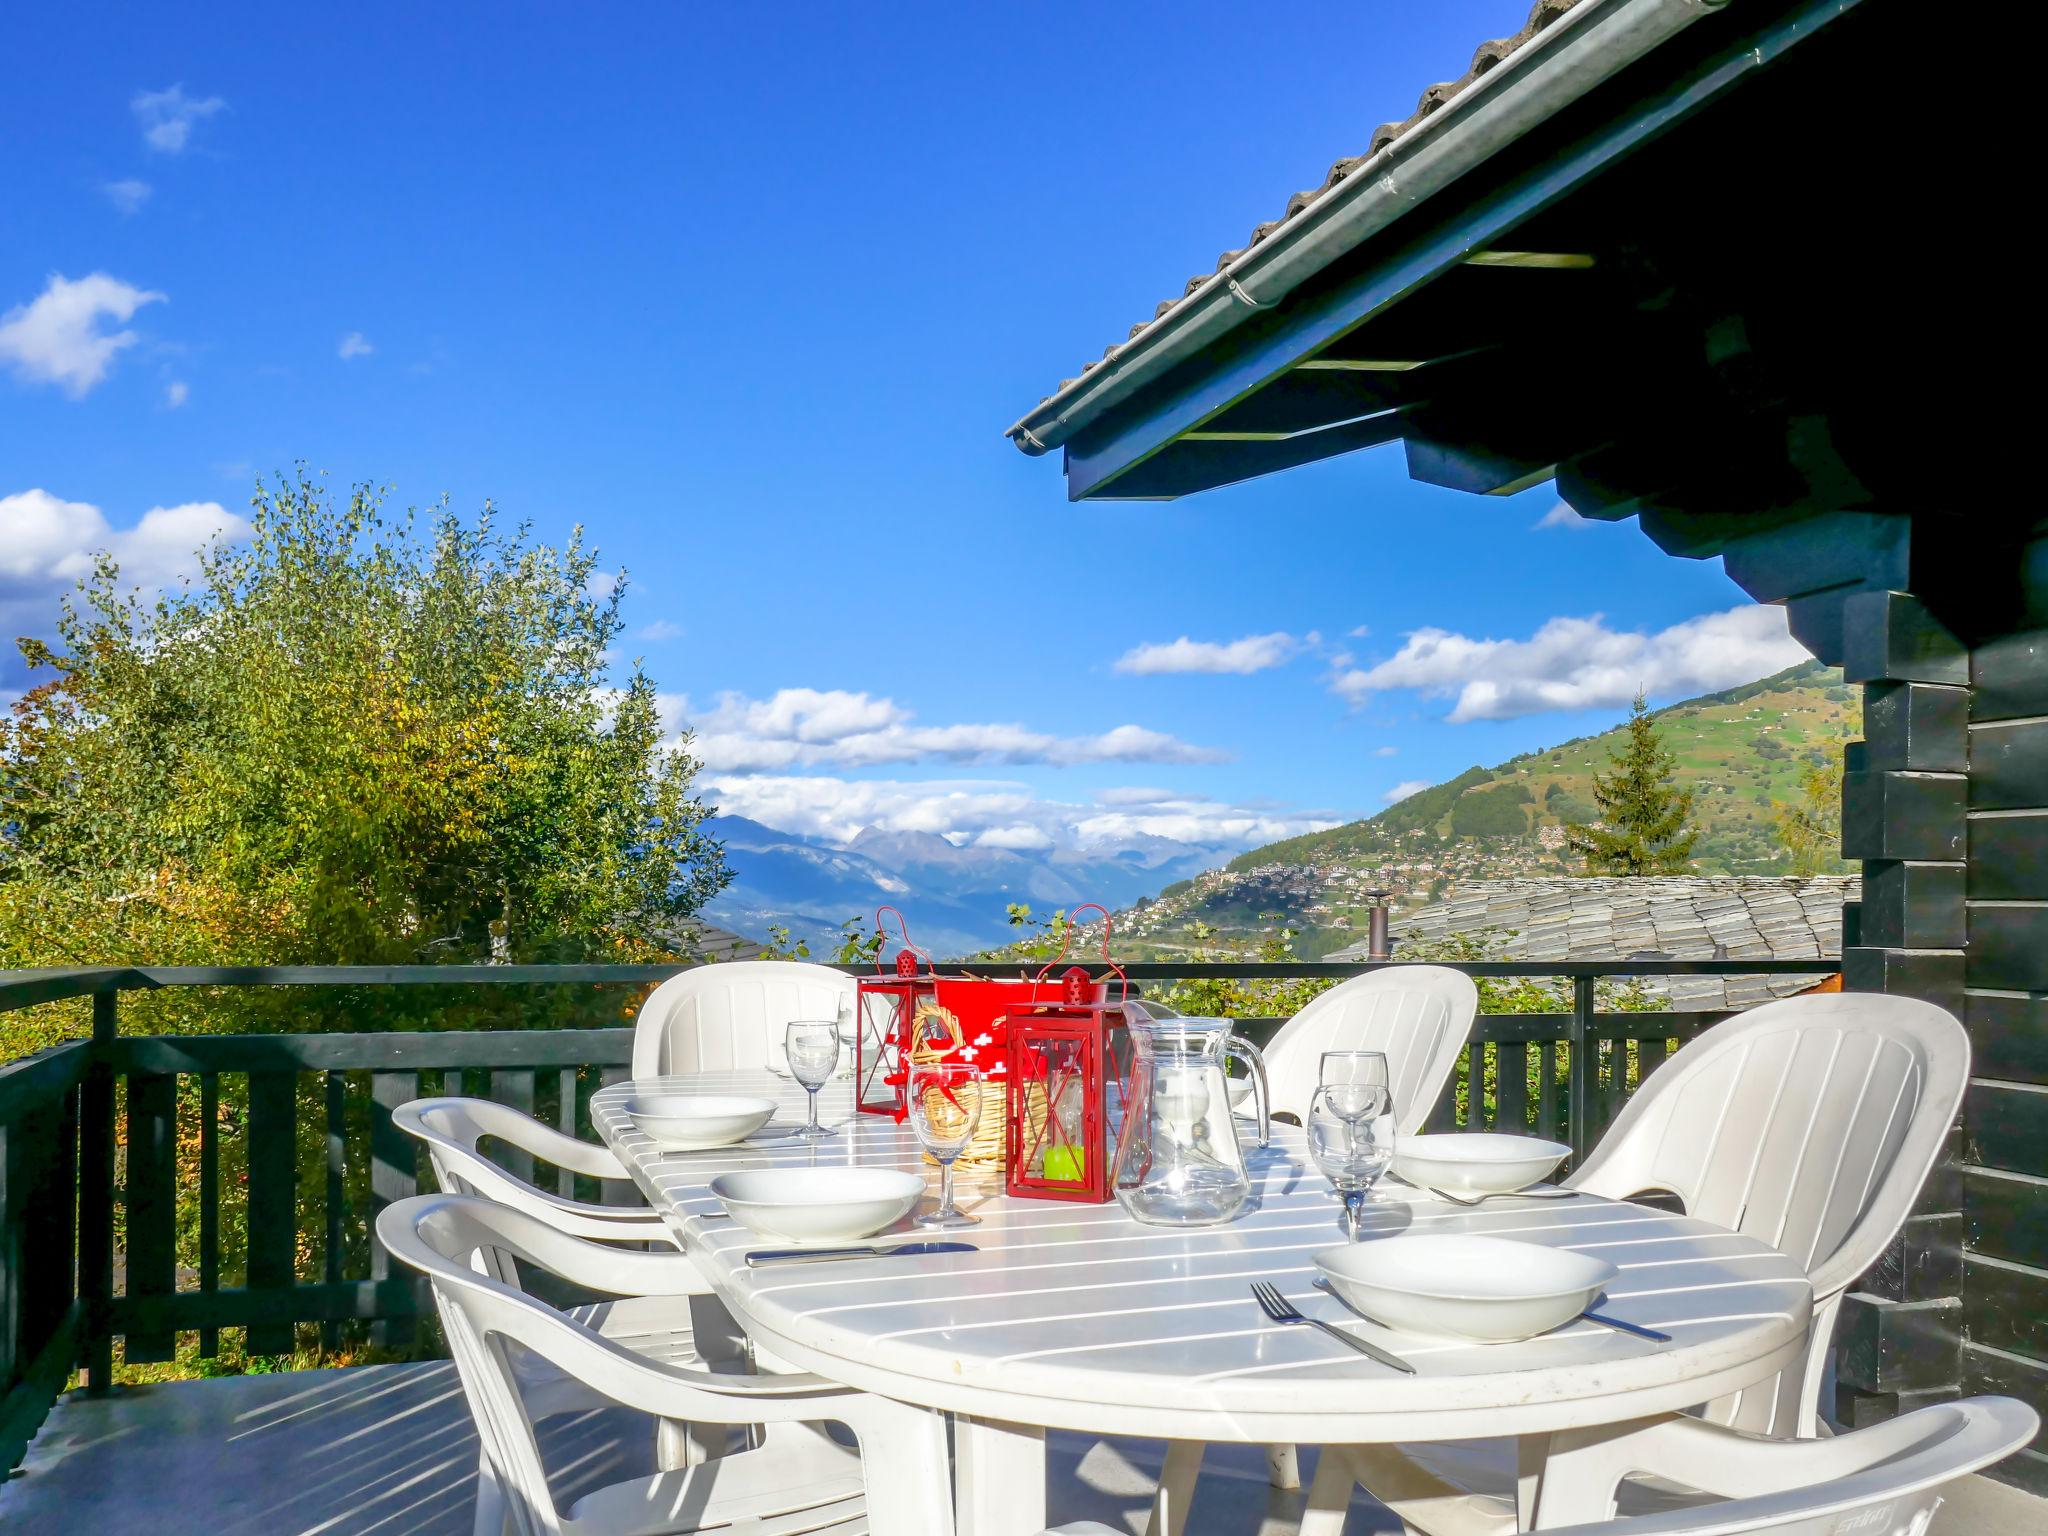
(1643, 815)
(779, 946)
(1810, 829)
(354, 739)
(1253, 998)
(858, 944)
(1038, 938)
(1429, 806)
(1491, 813)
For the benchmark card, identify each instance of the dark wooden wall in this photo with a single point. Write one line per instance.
(1945, 623)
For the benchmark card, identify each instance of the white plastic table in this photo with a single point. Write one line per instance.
(1077, 1317)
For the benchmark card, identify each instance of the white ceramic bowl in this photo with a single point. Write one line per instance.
(835, 1204)
(689, 1121)
(1484, 1289)
(1475, 1162)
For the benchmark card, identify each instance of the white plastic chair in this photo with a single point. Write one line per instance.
(1419, 1015)
(1886, 1480)
(659, 1309)
(1810, 1123)
(798, 1480)
(730, 1017)
(451, 1129)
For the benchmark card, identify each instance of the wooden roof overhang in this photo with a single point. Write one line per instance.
(1699, 294)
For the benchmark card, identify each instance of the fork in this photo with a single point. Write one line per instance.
(1281, 1310)
(1513, 1194)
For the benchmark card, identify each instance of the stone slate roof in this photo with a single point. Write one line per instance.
(703, 941)
(1542, 14)
(1678, 917)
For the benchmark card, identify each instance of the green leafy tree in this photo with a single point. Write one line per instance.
(353, 739)
(1810, 828)
(1642, 828)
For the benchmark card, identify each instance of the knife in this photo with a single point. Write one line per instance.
(766, 1256)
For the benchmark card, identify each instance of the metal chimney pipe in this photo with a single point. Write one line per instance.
(1377, 945)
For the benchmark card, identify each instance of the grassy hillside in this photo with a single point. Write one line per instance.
(1740, 752)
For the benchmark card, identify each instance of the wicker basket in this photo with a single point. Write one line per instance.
(938, 1035)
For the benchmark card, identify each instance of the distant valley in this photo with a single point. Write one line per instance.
(1742, 751)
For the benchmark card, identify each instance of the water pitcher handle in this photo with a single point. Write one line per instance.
(1248, 1053)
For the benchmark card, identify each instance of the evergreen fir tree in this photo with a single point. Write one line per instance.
(1642, 827)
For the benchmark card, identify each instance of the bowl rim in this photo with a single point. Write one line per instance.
(1432, 1147)
(730, 1104)
(1613, 1271)
(725, 1179)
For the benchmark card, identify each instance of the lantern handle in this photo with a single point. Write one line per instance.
(903, 928)
(1066, 942)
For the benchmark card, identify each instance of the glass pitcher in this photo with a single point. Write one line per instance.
(1178, 1163)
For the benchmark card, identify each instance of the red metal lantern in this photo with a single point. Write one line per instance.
(1066, 1066)
(888, 1005)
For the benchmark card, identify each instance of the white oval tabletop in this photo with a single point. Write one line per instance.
(1076, 1316)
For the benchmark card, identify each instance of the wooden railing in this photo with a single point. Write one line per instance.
(112, 1146)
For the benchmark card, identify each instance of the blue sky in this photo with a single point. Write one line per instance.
(751, 294)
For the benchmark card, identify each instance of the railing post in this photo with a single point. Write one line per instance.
(1581, 1075)
(96, 1196)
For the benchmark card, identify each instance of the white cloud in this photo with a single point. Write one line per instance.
(660, 629)
(991, 813)
(1562, 516)
(1386, 751)
(1020, 838)
(1359, 632)
(1140, 794)
(808, 727)
(1253, 653)
(1404, 789)
(176, 393)
(167, 117)
(56, 338)
(1579, 663)
(354, 344)
(47, 544)
(127, 195)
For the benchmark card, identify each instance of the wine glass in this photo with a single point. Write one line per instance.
(945, 1108)
(1351, 1137)
(1354, 1076)
(812, 1046)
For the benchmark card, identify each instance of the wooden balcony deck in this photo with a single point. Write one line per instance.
(387, 1450)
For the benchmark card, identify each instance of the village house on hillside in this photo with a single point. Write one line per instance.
(1671, 917)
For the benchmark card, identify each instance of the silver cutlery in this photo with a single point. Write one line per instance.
(1281, 1310)
(763, 1257)
(757, 1139)
(1509, 1194)
(1622, 1326)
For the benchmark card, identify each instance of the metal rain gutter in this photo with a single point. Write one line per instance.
(1590, 44)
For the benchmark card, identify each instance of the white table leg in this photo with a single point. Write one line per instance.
(998, 1477)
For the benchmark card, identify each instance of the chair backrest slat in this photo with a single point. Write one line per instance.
(1419, 1015)
(730, 1017)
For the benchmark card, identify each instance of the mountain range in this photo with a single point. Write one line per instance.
(1742, 752)
(955, 898)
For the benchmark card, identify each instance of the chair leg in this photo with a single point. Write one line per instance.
(1329, 1496)
(1283, 1467)
(1176, 1488)
(906, 1472)
(490, 1500)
